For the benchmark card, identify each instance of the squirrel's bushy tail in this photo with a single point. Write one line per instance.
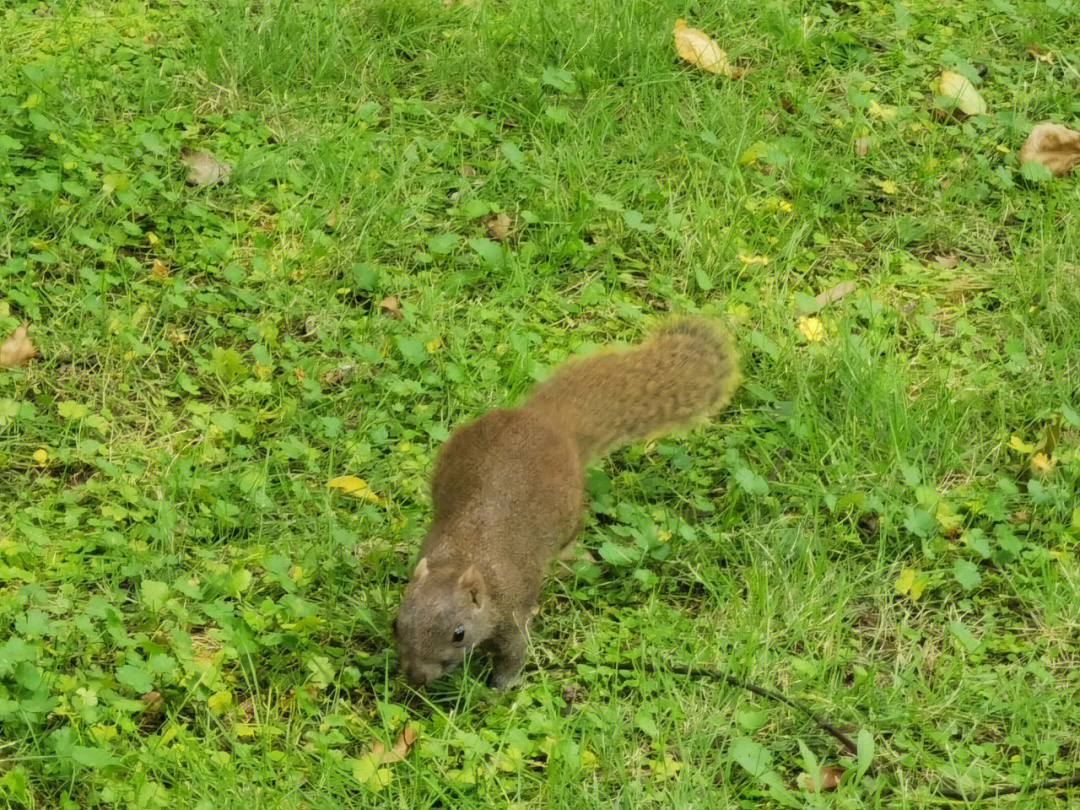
(687, 369)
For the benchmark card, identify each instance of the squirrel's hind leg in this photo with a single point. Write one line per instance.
(568, 556)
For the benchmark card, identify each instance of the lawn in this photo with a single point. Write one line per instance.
(428, 208)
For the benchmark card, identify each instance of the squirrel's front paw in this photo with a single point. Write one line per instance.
(503, 679)
(506, 671)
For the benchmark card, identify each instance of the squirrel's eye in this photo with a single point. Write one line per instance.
(459, 634)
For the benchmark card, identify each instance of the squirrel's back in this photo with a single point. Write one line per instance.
(686, 370)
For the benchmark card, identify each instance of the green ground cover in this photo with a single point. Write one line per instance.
(884, 523)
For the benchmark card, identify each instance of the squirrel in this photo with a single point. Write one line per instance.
(508, 491)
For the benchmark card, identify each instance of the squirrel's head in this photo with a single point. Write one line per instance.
(444, 613)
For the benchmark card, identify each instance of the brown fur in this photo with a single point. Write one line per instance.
(508, 490)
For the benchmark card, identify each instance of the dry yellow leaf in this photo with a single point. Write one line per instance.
(17, 350)
(888, 186)
(812, 329)
(746, 258)
(878, 111)
(160, 269)
(910, 583)
(356, 487)
(1041, 463)
(1020, 446)
(965, 97)
(701, 50)
(1054, 146)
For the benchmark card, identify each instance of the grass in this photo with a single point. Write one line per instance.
(190, 618)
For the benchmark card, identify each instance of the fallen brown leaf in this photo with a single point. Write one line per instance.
(337, 375)
(828, 779)
(1038, 54)
(205, 168)
(17, 350)
(390, 308)
(570, 693)
(947, 260)
(299, 374)
(160, 269)
(700, 50)
(1054, 146)
(465, 170)
(153, 702)
(498, 226)
(402, 747)
(834, 293)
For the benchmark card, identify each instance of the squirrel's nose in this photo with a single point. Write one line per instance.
(416, 676)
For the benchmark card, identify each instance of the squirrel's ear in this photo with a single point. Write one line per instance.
(421, 570)
(473, 584)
